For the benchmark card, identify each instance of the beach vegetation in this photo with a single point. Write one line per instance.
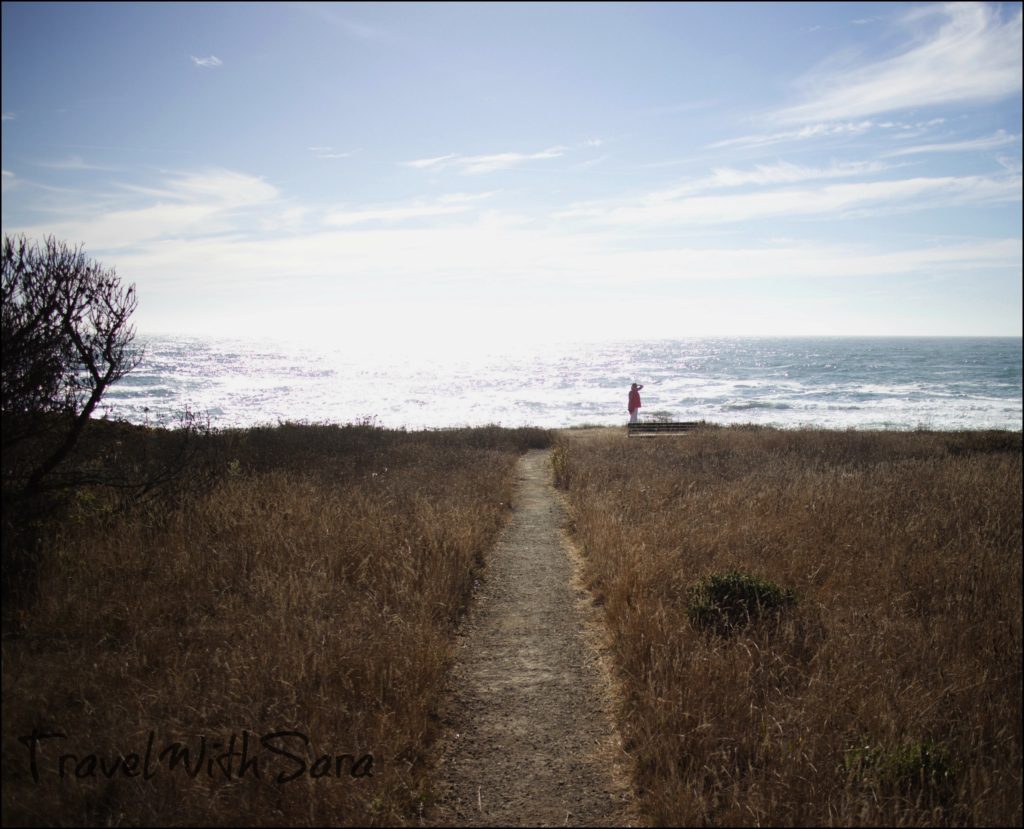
(913, 768)
(723, 602)
(66, 337)
(870, 585)
(265, 642)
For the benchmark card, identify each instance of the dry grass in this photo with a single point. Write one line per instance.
(311, 586)
(890, 694)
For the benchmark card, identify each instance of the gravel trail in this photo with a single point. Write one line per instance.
(529, 735)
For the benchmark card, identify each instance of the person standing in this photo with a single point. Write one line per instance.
(634, 402)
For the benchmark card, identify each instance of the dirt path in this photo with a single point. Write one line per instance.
(529, 735)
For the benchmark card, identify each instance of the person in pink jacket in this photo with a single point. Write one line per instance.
(634, 402)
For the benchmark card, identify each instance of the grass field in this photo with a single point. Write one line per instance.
(811, 627)
(873, 676)
(301, 579)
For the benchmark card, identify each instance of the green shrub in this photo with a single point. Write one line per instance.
(723, 603)
(913, 768)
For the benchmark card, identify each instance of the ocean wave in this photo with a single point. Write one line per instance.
(769, 382)
(756, 404)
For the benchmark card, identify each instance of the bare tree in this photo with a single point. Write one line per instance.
(66, 338)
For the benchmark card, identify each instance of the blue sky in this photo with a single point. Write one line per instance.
(495, 173)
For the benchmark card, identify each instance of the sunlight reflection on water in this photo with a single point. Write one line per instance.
(901, 383)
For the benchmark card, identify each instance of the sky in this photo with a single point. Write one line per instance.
(489, 173)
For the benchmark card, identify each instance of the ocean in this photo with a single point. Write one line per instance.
(900, 383)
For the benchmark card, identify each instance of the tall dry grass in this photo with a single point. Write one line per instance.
(889, 695)
(310, 586)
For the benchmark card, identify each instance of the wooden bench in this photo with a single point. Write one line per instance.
(653, 427)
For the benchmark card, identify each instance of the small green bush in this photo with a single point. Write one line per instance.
(723, 603)
(912, 768)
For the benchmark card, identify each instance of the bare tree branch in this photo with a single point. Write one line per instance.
(65, 339)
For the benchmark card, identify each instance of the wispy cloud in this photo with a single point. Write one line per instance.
(189, 204)
(74, 162)
(329, 153)
(501, 161)
(419, 209)
(826, 130)
(785, 172)
(345, 23)
(386, 257)
(808, 260)
(1012, 164)
(1000, 139)
(478, 164)
(219, 231)
(811, 131)
(972, 55)
(427, 163)
(722, 178)
(342, 218)
(593, 162)
(9, 116)
(831, 201)
(676, 108)
(208, 63)
(224, 188)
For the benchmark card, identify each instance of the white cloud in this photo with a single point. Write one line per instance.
(462, 198)
(782, 172)
(822, 130)
(391, 214)
(397, 213)
(344, 265)
(223, 188)
(288, 219)
(827, 130)
(217, 239)
(1000, 139)
(129, 228)
(208, 63)
(329, 153)
(190, 204)
(9, 116)
(74, 162)
(592, 162)
(9, 180)
(785, 172)
(477, 164)
(832, 201)
(490, 163)
(426, 163)
(972, 56)
(814, 261)
(1012, 164)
